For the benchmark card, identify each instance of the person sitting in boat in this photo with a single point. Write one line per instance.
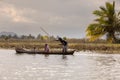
(46, 49)
(64, 43)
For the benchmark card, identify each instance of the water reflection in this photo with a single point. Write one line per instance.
(105, 61)
(58, 67)
(105, 67)
(46, 56)
(64, 57)
(19, 54)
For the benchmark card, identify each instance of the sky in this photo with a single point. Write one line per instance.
(68, 18)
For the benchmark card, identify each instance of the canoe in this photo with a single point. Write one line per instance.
(21, 50)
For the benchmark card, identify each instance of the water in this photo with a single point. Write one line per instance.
(81, 66)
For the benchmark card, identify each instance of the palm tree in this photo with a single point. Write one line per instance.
(107, 23)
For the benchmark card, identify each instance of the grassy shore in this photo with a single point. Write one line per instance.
(79, 46)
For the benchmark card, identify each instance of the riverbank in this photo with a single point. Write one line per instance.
(78, 46)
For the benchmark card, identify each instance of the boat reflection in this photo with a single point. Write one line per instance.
(64, 57)
(46, 55)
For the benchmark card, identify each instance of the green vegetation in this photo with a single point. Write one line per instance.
(77, 44)
(107, 23)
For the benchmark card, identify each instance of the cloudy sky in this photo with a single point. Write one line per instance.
(67, 18)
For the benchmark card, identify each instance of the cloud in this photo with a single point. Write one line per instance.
(58, 17)
(56, 20)
(14, 14)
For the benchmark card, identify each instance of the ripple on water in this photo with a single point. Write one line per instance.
(81, 66)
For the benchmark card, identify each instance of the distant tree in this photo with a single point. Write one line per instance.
(9, 36)
(65, 38)
(15, 37)
(39, 36)
(23, 37)
(31, 37)
(52, 38)
(2, 36)
(44, 38)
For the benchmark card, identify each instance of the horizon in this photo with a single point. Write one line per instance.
(13, 33)
(67, 18)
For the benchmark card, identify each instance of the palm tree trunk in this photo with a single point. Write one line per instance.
(112, 37)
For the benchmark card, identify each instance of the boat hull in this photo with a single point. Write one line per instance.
(42, 52)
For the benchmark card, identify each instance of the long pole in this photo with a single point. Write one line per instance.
(45, 31)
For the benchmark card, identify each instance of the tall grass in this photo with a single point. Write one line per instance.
(54, 44)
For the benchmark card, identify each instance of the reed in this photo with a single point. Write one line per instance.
(11, 44)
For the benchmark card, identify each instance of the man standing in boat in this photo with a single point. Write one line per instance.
(64, 43)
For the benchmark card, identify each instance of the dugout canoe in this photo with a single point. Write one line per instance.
(21, 50)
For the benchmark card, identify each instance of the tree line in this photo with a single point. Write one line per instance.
(30, 36)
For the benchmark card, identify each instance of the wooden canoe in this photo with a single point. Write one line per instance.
(20, 50)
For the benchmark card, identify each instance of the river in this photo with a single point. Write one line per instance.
(80, 66)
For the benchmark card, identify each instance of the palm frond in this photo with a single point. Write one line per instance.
(97, 13)
(107, 21)
(103, 9)
(94, 31)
